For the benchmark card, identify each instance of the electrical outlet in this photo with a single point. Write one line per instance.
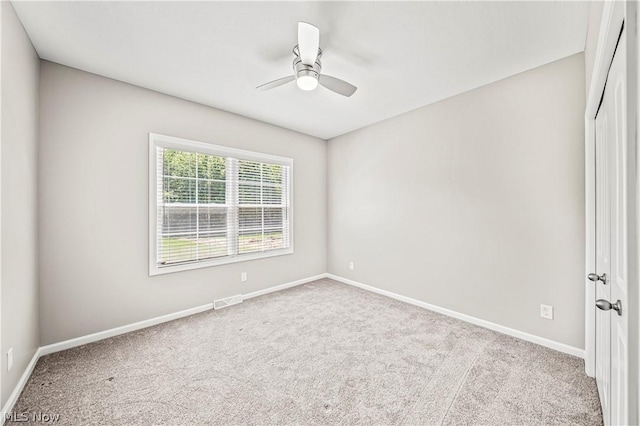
(351, 265)
(546, 311)
(243, 276)
(10, 359)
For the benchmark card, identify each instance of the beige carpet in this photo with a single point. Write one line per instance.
(321, 353)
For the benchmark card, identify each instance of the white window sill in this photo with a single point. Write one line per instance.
(156, 270)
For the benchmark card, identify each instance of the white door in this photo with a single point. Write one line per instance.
(611, 244)
(603, 261)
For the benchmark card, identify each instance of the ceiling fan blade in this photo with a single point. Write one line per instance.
(308, 42)
(341, 87)
(276, 83)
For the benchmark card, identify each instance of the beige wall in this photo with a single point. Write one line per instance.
(20, 76)
(475, 203)
(94, 204)
(593, 31)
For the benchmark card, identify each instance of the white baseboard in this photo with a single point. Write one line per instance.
(283, 286)
(13, 398)
(101, 335)
(561, 347)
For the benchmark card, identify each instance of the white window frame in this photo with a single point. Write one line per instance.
(170, 142)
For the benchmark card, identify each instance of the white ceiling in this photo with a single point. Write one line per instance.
(401, 55)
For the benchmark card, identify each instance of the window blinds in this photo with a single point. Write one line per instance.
(214, 206)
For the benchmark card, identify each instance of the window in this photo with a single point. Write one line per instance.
(211, 205)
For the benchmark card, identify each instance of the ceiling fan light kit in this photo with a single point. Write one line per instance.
(307, 82)
(307, 66)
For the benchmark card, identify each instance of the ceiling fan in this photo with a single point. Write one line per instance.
(307, 65)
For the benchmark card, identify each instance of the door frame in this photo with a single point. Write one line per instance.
(1, 351)
(613, 15)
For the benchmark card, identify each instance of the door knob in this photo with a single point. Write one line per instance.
(596, 277)
(605, 305)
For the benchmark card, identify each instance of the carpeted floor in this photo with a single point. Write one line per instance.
(321, 353)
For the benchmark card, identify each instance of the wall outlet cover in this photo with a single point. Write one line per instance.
(546, 311)
(243, 276)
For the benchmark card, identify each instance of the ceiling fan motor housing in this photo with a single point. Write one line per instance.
(301, 70)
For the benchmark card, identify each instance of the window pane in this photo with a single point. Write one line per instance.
(272, 195)
(179, 163)
(271, 173)
(273, 239)
(249, 171)
(250, 241)
(254, 241)
(190, 248)
(212, 245)
(179, 220)
(211, 192)
(179, 190)
(249, 193)
(250, 218)
(178, 249)
(273, 217)
(212, 219)
(211, 167)
(192, 233)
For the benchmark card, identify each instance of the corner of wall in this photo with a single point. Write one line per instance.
(20, 70)
(326, 205)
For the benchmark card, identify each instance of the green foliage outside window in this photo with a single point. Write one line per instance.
(179, 170)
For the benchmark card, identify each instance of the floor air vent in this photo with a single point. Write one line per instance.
(227, 301)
